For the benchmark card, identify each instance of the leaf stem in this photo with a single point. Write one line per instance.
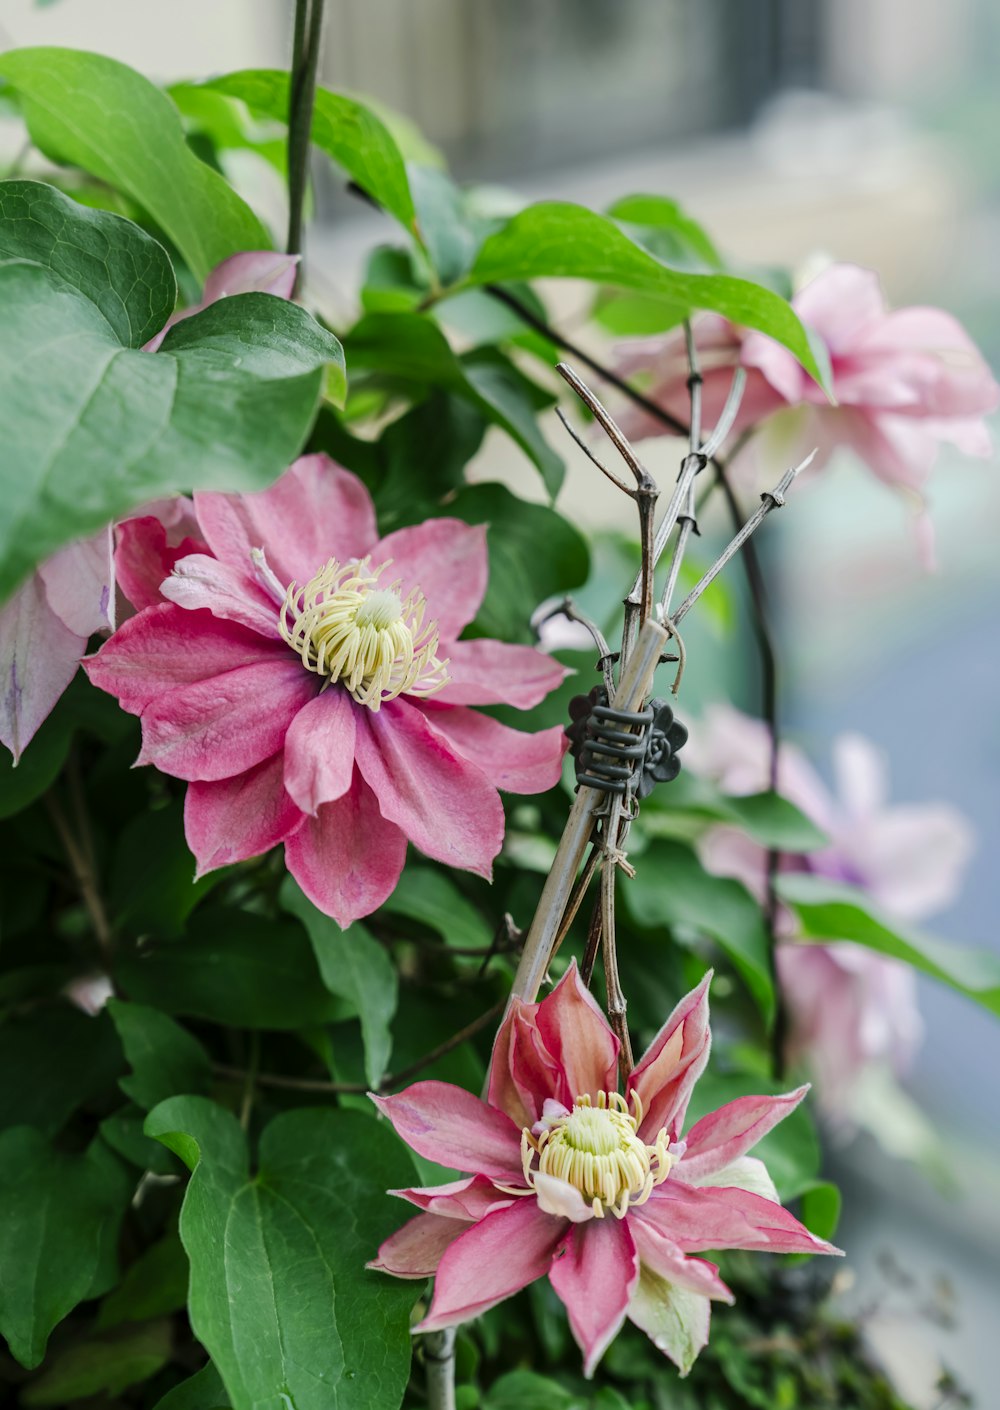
(79, 854)
(302, 96)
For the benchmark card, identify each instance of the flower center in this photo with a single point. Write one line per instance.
(369, 638)
(596, 1150)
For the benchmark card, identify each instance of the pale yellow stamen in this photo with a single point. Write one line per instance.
(370, 638)
(596, 1149)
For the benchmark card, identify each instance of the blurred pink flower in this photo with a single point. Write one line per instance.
(904, 379)
(850, 1007)
(45, 626)
(312, 697)
(596, 1190)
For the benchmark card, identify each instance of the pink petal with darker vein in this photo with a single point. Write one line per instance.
(724, 1135)
(514, 760)
(236, 818)
(594, 1274)
(319, 750)
(494, 1259)
(576, 1034)
(315, 512)
(442, 802)
(165, 648)
(522, 1071)
(347, 859)
(144, 558)
(216, 728)
(200, 581)
(666, 1260)
(452, 1127)
(485, 672)
(720, 1216)
(468, 1199)
(446, 559)
(39, 655)
(415, 1250)
(666, 1073)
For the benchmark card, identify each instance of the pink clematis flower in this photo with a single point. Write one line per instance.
(904, 379)
(45, 626)
(851, 1008)
(596, 1190)
(313, 695)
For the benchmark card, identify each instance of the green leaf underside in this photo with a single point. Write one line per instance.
(279, 1293)
(57, 1213)
(100, 115)
(350, 133)
(830, 910)
(671, 887)
(92, 428)
(556, 239)
(355, 967)
(662, 214)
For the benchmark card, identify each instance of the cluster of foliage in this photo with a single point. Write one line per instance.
(194, 1167)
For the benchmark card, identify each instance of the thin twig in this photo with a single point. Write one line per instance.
(84, 874)
(317, 1084)
(302, 96)
(250, 1080)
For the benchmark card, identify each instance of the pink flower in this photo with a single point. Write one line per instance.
(598, 1191)
(314, 696)
(904, 379)
(45, 626)
(850, 1007)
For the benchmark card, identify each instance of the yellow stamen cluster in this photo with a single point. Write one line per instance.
(347, 627)
(597, 1151)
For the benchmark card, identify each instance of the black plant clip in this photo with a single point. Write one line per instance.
(623, 751)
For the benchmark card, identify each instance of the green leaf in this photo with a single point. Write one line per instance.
(108, 1364)
(451, 234)
(534, 553)
(63, 1058)
(555, 239)
(203, 1391)
(119, 267)
(279, 1293)
(57, 1213)
(430, 897)
(765, 817)
(98, 114)
(671, 887)
(350, 133)
(829, 910)
(37, 768)
(356, 967)
(235, 968)
(412, 347)
(820, 1210)
(154, 1286)
(166, 1060)
(152, 888)
(526, 1390)
(91, 427)
(680, 237)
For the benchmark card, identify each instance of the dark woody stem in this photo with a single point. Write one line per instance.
(301, 97)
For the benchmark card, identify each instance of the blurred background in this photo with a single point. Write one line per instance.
(860, 129)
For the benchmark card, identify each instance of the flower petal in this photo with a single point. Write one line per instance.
(512, 759)
(577, 1036)
(724, 1135)
(39, 655)
(78, 584)
(200, 581)
(231, 819)
(447, 560)
(347, 859)
(452, 1127)
(562, 1199)
(485, 672)
(746, 1173)
(252, 272)
(665, 1075)
(219, 727)
(675, 1319)
(522, 1071)
(415, 1250)
(442, 802)
(594, 1275)
(494, 1259)
(315, 512)
(165, 648)
(319, 750)
(661, 1256)
(469, 1199)
(144, 558)
(727, 1217)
